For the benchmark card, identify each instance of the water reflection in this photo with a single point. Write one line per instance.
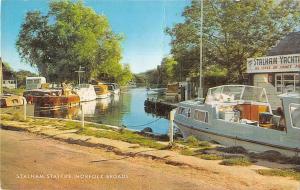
(124, 109)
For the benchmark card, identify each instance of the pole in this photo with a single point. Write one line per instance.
(79, 77)
(172, 113)
(200, 91)
(1, 77)
(24, 108)
(82, 116)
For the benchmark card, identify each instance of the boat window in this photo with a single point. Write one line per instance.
(201, 116)
(295, 115)
(184, 111)
(181, 110)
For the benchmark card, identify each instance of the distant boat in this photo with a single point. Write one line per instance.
(10, 100)
(86, 92)
(131, 85)
(102, 91)
(113, 88)
(241, 115)
(52, 98)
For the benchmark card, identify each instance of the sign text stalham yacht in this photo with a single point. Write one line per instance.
(241, 115)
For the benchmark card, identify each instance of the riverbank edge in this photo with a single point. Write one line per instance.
(122, 148)
(125, 148)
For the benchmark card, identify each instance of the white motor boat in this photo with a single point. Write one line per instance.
(113, 88)
(86, 92)
(241, 115)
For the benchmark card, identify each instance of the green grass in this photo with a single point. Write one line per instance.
(237, 161)
(193, 142)
(126, 136)
(210, 157)
(17, 116)
(187, 152)
(280, 172)
(17, 91)
(90, 129)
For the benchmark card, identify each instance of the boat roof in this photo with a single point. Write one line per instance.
(290, 95)
(237, 85)
(35, 78)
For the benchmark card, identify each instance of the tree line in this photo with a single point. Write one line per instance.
(232, 32)
(70, 36)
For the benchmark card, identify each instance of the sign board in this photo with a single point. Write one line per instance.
(279, 63)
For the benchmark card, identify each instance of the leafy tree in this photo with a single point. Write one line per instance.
(168, 65)
(69, 36)
(21, 77)
(232, 32)
(125, 76)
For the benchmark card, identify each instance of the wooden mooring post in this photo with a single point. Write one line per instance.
(172, 114)
(24, 108)
(82, 116)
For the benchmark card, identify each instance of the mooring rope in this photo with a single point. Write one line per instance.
(143, 124)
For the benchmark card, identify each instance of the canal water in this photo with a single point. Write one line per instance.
(126, 109)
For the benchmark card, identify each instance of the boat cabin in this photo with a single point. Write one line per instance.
(34, 82)
(241, 113)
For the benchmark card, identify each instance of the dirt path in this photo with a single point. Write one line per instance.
(31, 162)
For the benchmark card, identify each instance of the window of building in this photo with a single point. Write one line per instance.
(295, 115)
(201, 116)
(287, 82)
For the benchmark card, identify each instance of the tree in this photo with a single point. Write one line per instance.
(21, 77)
(167, 70)
(69, 36)
(232, 32)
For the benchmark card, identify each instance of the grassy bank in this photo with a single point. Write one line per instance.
(17, 91)
(229, 156)
(292, 173)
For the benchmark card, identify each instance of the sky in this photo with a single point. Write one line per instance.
(142, 22)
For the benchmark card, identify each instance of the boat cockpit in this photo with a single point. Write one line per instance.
(239, 104)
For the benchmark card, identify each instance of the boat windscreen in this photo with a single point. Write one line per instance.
(254, 94)
(232, 93)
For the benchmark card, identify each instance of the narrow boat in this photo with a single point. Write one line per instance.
(102, 91)
(86, 92)
(10, 100)
(52, 98)
(241, 115)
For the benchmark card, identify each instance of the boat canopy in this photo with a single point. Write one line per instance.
(232, 93)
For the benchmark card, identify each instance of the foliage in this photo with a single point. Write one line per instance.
(240, 161)
(17, 91)
(69, 36)
(280, 172)
(21, 77)
(210, 157)
(167, 70)
(232, 32)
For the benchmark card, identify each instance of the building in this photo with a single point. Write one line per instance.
(278, 72)
(7, 77)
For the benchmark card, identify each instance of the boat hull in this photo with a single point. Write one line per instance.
(228, 140)
(11, 101)
(102, 96)
(56, 102)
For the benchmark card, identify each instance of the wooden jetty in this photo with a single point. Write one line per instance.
(159, 107)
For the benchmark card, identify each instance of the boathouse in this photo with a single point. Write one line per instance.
(278, 72)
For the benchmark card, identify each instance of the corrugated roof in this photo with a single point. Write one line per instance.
(288, 45)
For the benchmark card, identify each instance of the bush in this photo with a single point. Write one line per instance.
(294, 173)
(239, 161)
(210, 157)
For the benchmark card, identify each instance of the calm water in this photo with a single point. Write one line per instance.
(125, 109)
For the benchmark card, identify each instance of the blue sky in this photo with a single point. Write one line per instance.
(142, 22)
